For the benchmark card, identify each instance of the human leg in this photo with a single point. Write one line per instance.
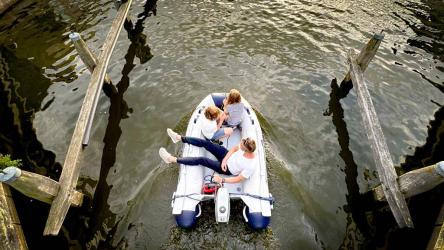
(211, 164)
(222, 132)
(217, 150)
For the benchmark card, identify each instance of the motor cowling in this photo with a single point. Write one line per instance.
(222, 205)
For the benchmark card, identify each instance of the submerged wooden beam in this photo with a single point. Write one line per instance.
(39, 187)
(11, 233)
(416, 182)
(381, 154)
(71, 170)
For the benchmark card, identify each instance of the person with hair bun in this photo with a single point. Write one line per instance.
(233, 108)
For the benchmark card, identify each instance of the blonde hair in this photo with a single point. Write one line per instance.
(249, 144)
(212, 112)
(234, 96)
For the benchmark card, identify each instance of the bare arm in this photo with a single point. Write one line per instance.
(234, 179)
(231, 152)
(221, 121)
(224, 161)
(225, 106)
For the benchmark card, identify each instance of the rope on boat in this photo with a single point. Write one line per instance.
(269, 199)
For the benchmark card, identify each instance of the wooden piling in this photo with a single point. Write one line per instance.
(367, 53)
(71, 170)
(381, 154)
(11, 233)
(436, 241)
(41, 188)
(87, 56)
(6, 4)
(416, 182)
(90, 60)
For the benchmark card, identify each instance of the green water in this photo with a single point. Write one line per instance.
(281, 55)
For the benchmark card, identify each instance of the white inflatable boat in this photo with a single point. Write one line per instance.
(253, 191)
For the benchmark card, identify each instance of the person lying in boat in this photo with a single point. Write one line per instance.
(212, 125)
(233, 108)
(239, 161)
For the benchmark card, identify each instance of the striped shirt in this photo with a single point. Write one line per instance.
(235, 112)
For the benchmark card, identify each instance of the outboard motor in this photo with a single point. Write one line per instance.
(222, 205)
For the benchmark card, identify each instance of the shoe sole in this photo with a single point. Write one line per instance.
(172, 135)
(164, 159)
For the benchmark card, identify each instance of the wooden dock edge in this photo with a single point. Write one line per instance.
(71, 169)
(11, 232)
(436, 241)
(6, 4)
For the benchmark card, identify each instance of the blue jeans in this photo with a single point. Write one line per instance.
(218, 134)
(218, 151)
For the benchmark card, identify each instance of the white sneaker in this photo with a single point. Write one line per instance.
(173, 135)
(166, 157)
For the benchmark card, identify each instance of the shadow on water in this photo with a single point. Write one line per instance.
(355, 207)
(374, 220)
(425, 207)
(18, 138)
(101, 222)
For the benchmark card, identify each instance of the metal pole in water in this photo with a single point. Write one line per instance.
(90, 60)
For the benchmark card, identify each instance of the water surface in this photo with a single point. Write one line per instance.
(281, 55)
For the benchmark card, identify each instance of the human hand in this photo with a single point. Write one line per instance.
(228, 131)
(217, 179)
(224, 166)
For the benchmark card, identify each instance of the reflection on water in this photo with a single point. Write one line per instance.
(282, 56)
(102, 223)
(354, 205)
(18, 138)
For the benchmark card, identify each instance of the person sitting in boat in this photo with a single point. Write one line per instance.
(239, 161)
(212, 125)
(233, 108)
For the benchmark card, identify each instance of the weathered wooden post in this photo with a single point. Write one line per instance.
(90, 60)
(381, 154)
(36, 186)
(11, 233)
(367, 53)
(437, 238)
(416, 182)
(5, 4)
(71, 171)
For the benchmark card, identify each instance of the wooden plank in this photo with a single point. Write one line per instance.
(440, 219)
(90, 60)
(367, 53)
(437, 239)
(381, 154)
(439, 245)
(87, 56)
(6, 4)
(71, 171)
(11, 233)
(416, 182)
(42, 188)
